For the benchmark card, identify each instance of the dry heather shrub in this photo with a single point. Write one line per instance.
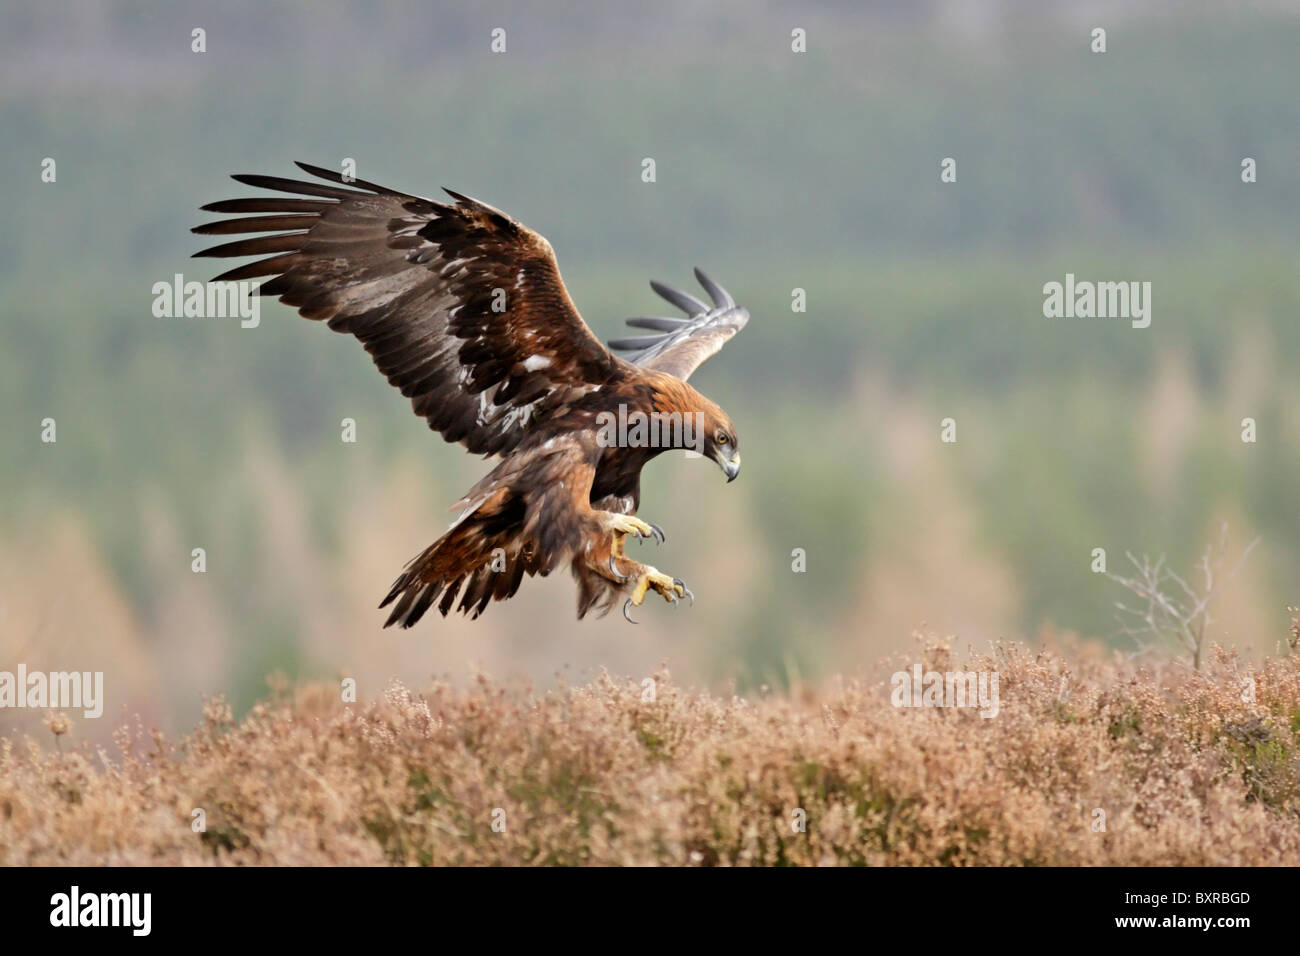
(1186, 768)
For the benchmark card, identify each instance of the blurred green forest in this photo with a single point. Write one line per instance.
(775, 171)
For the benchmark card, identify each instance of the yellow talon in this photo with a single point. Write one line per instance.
(623, 525)
(670, 588)
(630, 524)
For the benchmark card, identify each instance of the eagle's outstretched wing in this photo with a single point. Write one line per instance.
(684, 344)
(462, 308)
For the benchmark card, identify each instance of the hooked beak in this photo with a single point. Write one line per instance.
(730, 466)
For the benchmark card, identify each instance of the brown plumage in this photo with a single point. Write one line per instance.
(464, 311)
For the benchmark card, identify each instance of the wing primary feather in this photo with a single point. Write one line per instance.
(656, 322)
(293, 186)
(286, 242)
(225, 227)
(262, 267)
(334, 177)
(683, 300)
(720, 296)
(268, 204)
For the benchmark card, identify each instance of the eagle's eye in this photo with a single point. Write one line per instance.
(720, 438)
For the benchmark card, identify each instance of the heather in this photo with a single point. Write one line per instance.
(1189, 768)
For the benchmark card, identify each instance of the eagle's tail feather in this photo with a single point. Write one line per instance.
(482, 558)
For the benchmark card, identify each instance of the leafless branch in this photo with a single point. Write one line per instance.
(1182, 620)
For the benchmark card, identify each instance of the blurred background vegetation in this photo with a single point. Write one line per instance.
(774, 171)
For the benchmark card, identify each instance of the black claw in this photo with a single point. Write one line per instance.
(657, 533)
(685, 590)
(617, 573)
(626, 605)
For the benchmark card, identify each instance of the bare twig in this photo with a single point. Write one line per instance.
(1182, 620)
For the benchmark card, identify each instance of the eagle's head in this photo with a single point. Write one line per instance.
(699, 425)
(705, 429)
(721, 443)
(716, 437)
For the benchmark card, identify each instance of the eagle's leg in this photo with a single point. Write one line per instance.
(652, 579)
(614, 565)
(623, 525)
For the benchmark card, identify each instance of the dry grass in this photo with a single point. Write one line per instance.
(1186, 771)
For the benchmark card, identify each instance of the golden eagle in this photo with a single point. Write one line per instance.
(463, 309)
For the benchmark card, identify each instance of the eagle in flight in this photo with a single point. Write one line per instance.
(464, 311)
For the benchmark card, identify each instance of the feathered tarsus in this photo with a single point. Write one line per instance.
(463, 310)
